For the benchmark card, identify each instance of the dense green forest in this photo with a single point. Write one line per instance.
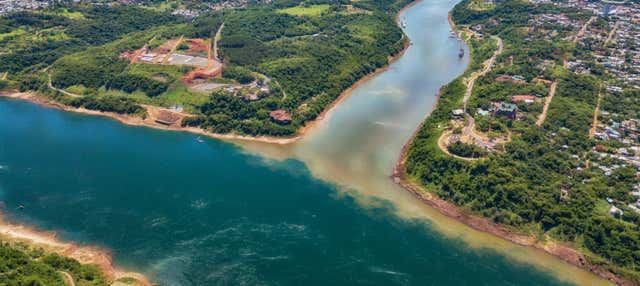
(539, 184)
(21, 265)
(309, 52)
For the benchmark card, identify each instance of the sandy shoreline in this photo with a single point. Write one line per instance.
(83, 254)
(564, 252)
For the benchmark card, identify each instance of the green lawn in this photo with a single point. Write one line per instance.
(313, 10)
(602, 207)
(178, 94)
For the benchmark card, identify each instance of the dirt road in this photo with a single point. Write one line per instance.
(68, 279)
(215, 43)
(545, 109)
(584, 29)
(488, 64)
(468, 132)
(611, 34)
(50, 85)
(594, 124)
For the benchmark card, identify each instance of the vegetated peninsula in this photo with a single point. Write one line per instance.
(263, 68)
(540, 135)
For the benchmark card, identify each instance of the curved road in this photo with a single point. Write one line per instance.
(469, 129)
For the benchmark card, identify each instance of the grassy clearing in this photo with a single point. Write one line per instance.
(52, 34)
(169, 72)
(64, 12)
(362, 31)
(77, 89)
(180, 95)
(349, 9)
(71, 15)
(481, 5)
(313, 10)
(165, 6)
(602, 208)
(13, 33)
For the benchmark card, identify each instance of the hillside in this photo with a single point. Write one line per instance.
(541, 143)
(245, 68)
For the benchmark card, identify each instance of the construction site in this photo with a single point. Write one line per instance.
(199, 53)
(195, 53)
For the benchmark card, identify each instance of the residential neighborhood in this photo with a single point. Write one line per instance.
(9, 6)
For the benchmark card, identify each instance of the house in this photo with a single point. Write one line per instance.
(457, 113)
(503, 78)
(513, 79)
(280, 116)
(508, 110)
(616, 212)
(483, 112)
(523, 98)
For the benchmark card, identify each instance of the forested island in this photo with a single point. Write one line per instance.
(247, 68)
(540, 134)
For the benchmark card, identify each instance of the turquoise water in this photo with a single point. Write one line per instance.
(320, 211)
(188, 213)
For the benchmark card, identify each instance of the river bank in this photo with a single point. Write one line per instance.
(83, 254)
(150, 119)
(565, 252)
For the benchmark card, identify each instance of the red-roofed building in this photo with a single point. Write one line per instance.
(280, 116)
(523, 97)
(510, 78)
(503, 78)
